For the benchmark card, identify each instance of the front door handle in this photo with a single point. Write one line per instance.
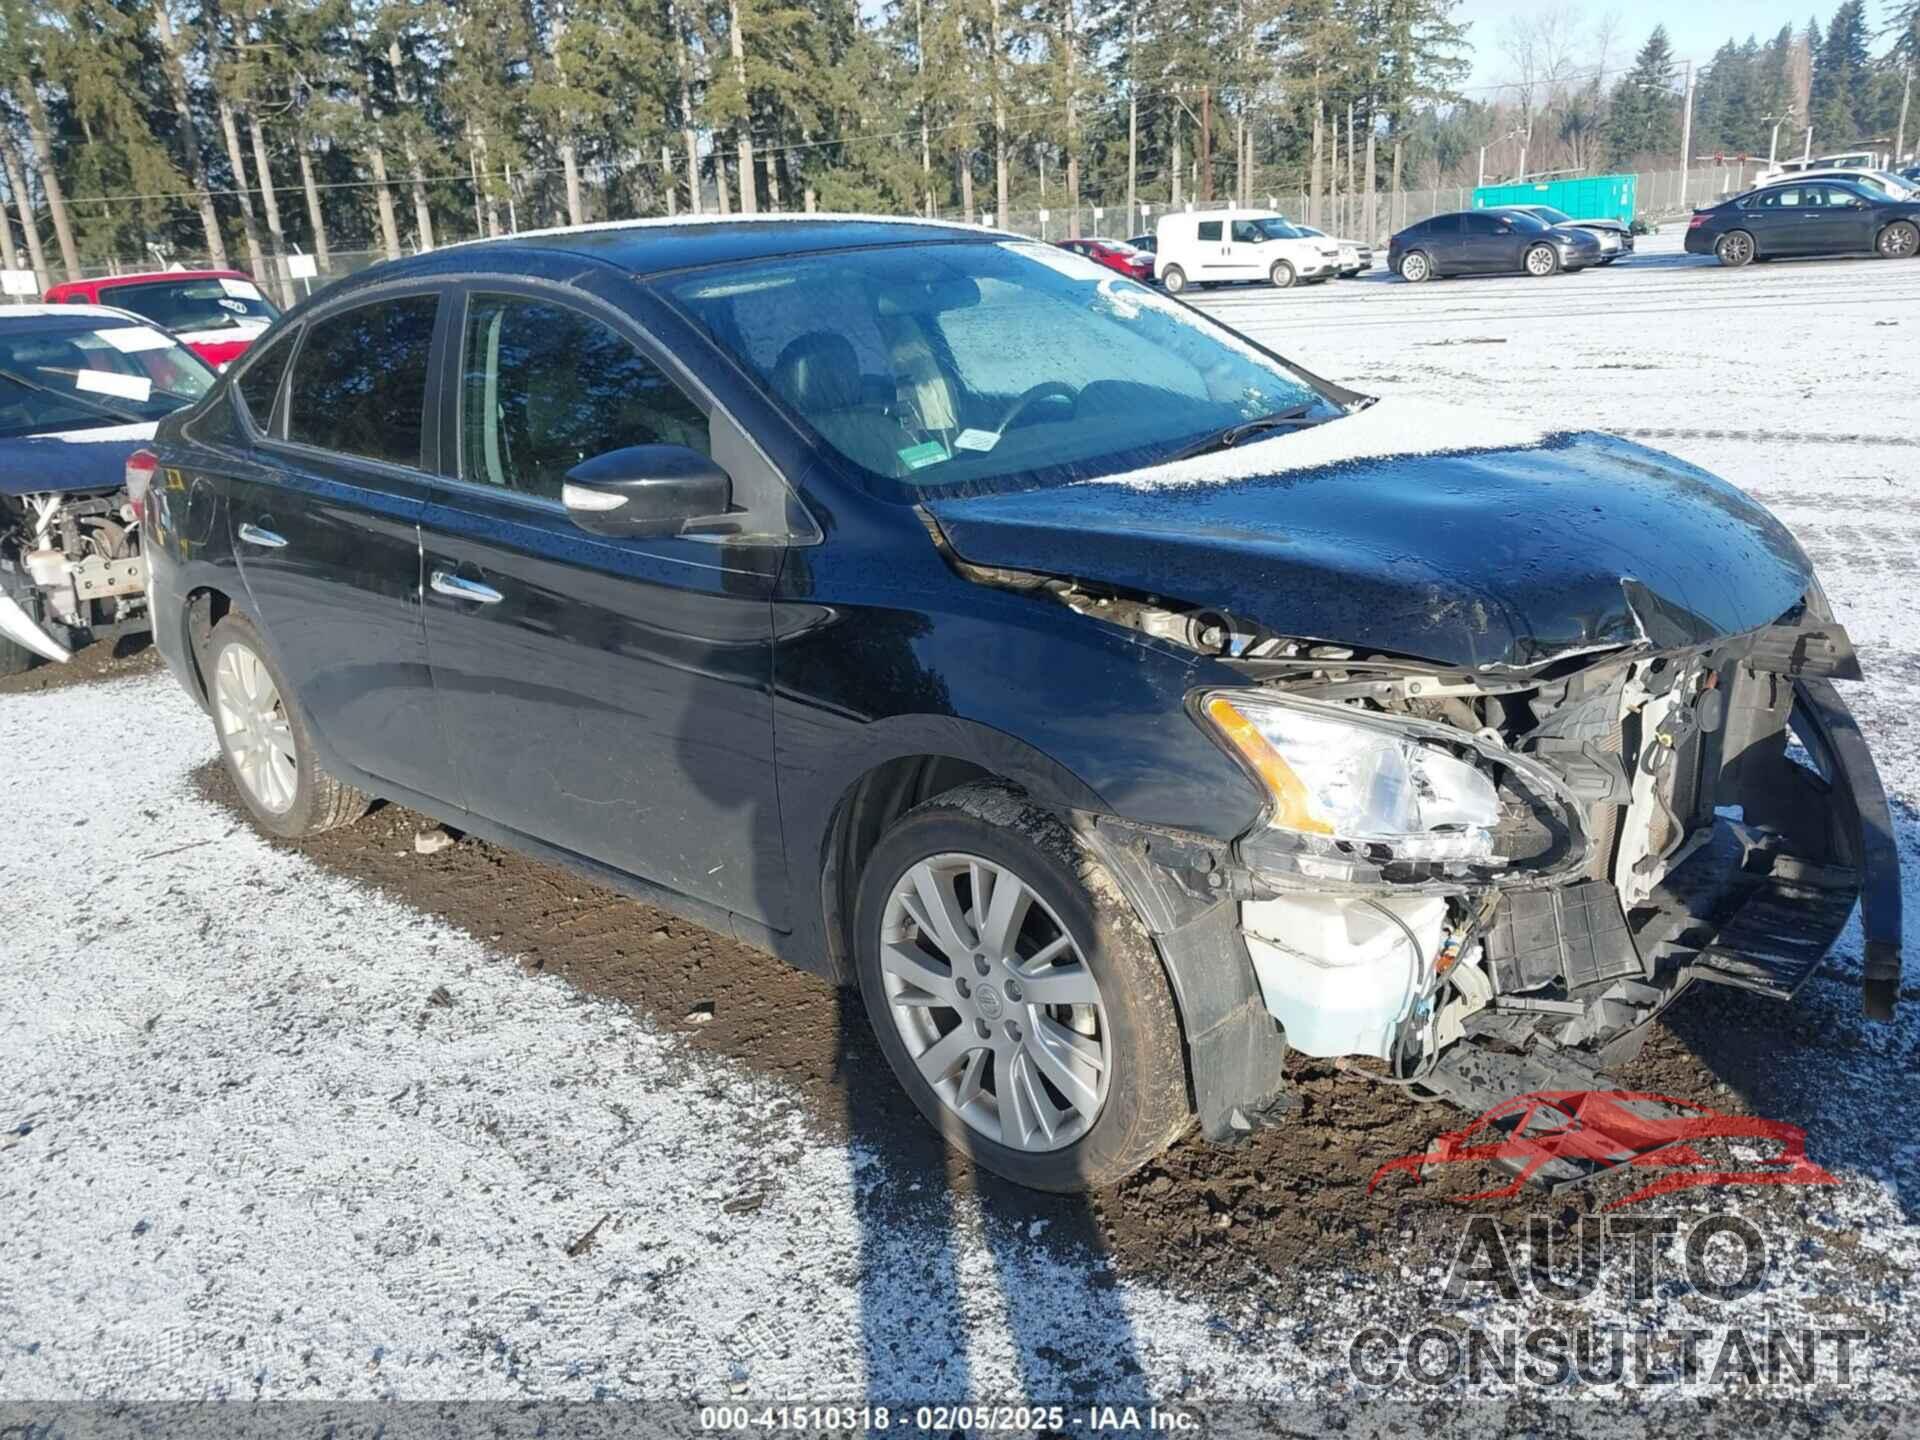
(445, 583)
(266, 539)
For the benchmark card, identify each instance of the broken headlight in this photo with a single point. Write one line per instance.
(1375, 799)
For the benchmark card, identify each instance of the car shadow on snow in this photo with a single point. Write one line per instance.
(1819, 1063)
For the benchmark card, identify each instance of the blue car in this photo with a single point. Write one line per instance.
(81, 387)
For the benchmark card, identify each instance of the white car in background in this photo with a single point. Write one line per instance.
(1208, 247)
(1355, 255)
(1883, 182)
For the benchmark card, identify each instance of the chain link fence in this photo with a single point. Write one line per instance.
(1664, 196)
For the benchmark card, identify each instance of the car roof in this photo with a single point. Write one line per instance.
(644, 247)
(20, 317)
(104, 282)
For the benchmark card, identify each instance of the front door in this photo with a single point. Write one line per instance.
(324, 523)
(1246, 251)
(1487, 243)
(610, 697)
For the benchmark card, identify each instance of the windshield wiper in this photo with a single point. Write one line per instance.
(1233, 434)
(75, 395)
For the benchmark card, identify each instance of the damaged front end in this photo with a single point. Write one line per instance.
(1493, 881)
(70, 565)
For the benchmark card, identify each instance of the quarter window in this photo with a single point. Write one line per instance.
(544, 387)
(360, 387)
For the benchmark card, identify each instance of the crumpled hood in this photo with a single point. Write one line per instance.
(70, 461)
(1507, 557)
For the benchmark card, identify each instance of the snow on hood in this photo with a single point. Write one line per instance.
(99, 435)
(1383, 430)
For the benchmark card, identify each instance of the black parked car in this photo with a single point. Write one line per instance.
(1815, 217)
(1615, 236)
(976, 626)
(1490, 242)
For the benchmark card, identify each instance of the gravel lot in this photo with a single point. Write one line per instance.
(342, 1121)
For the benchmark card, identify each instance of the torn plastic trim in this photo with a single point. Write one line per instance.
(18, 627)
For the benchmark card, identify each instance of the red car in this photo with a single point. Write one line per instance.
(1115, 255)
(214, 313)
(1590, 1132)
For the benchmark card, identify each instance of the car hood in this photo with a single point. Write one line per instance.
(69, 461)
(1494, 558)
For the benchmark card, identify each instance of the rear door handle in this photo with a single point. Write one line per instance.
(266, 539)
(445, 583)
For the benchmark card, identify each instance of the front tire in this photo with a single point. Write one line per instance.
(1899, 241)
(1282, 275)
(1416, 268)
(1016, 995)
(1174, 279)
(263, 739)
(1541, 261)
(1734, 249)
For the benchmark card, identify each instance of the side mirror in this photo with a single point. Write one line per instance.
(645, 490)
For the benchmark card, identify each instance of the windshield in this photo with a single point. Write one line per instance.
(956, 368)
(1526, 220)
(1548, 214)
(84, 373)
(1278, 229)
(202, 303)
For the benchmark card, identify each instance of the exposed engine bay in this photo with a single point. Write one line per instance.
(70, 565)
(1491, 880)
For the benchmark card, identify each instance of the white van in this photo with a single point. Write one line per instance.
(1203, 247)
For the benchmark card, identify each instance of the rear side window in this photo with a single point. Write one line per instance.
(1480, 224)
(544, 387)
(1209, 230)
(360, 386)
(1444, 225)
(259, 383)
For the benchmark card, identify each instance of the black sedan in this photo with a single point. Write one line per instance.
(1028, 651)
(1615, 237)
(1819, 217)
(1490, 242)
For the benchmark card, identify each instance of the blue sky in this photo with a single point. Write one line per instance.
(1698, 27)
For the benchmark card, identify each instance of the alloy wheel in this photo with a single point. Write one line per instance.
(995, 1002)
(1414, 268)
(254, 728)
(1735, 249)
(1540, 261)
(1898, 240)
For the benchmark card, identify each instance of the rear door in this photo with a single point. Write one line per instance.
(1773, 218)
(611, 697)
(1441, 241)
(1212, 251)
(1487, 243)
(325, 531)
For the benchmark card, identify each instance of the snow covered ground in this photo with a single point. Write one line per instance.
(267, 1133)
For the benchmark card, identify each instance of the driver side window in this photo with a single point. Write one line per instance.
(544, 387)
(1245, 232)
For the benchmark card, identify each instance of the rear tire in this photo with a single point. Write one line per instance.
(1899, 241)
(1122, 1011)
(1416, 268)
(1734, 249)
(1174, 279)
(264, 741)
(1282, 275)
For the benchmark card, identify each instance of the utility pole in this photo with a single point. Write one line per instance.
(1686, 135)
(1900, 137)
(1206, 142)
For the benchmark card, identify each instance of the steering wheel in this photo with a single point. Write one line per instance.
(1046, 389)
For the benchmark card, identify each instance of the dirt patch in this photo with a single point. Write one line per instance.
(1203, 1219)
(109, 658)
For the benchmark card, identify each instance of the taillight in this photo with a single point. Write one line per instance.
(141, 466)
(1696, 222)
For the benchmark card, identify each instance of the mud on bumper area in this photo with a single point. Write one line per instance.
(1787, 839)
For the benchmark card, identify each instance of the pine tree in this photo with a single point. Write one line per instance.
(1842, 94)
(1646, 114)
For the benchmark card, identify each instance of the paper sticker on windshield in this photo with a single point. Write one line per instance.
(241, 289)
(918, 457)
(132, 339)
(111, 382)
(982, 440)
